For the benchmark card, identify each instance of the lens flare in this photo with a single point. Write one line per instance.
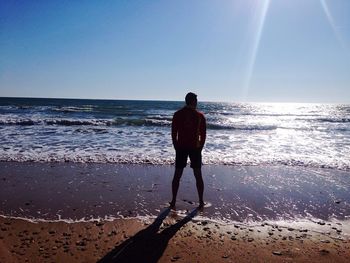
(258, 25)
(335, 28)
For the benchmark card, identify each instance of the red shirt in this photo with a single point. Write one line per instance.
(188, 129)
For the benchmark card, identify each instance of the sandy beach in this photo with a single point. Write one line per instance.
(172, 240)
(65, 212)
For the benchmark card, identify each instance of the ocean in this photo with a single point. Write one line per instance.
(85, 159)
(138, 132)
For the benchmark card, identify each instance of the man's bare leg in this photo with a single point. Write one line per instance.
(200, 184)
(175, 185)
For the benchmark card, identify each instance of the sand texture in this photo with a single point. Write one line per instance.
(117, 213)
(173, 239)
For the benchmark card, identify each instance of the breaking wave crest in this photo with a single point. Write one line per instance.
(152, 121)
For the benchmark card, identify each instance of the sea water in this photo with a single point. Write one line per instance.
(139, 132)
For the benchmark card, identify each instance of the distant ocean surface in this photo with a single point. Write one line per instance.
(121, 131)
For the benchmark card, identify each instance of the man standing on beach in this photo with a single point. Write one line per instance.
(188, 132)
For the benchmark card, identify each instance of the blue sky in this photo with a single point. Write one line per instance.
(227, 50)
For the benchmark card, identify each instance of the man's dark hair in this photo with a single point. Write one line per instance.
(190, 98)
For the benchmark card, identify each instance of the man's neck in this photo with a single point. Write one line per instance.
(191, 107)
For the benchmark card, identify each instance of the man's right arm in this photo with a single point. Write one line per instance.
(203, 130)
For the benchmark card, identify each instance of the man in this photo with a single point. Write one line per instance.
(188, 132)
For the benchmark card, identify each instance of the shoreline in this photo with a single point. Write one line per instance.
(170, 239)
(283, 214)
(234, 193)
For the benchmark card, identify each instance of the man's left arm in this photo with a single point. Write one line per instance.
(174, 130)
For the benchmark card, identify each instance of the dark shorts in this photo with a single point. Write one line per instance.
(195, 158)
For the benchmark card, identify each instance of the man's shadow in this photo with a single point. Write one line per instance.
(147, 245)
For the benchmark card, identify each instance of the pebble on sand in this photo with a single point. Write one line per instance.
(324, 252)
(277, 253)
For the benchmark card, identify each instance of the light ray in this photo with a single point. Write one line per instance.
(333, 25)
(258, 25)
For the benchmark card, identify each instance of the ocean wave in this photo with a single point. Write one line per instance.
(87, 122)
(154, 121)
(165, 121)
(73, 122)
(147, 160)
(20, 122)
(141, 122)
(215, 126)
(59, 122)
(326, 120)
(334, 120)
(87, 108)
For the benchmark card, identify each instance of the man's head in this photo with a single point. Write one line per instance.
(191, 99)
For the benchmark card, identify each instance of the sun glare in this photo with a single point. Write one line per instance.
(332, 23)
(258, 26)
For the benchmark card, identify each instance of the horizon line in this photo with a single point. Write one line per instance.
(137, 99)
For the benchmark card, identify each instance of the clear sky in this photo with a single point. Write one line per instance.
(224, 50)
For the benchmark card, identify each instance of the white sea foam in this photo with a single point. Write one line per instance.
(310, 224)
(40, 130)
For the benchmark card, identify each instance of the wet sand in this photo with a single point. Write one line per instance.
(109, 211)
(248, 193)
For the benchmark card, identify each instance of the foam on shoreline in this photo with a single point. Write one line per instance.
(241, 194)
(335, 229)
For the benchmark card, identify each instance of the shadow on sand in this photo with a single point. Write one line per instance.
(148, 245)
